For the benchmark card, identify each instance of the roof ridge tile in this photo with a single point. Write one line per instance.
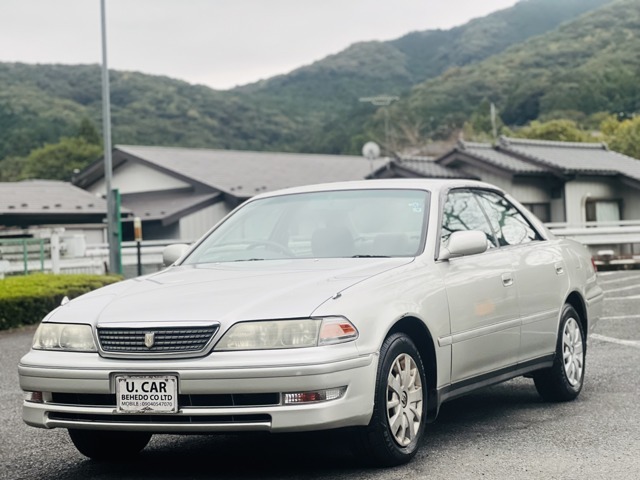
(506, 141)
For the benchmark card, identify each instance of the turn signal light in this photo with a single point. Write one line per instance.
(35, 397)
(313, 397)
(336, 330)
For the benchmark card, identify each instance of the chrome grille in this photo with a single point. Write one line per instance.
(159, 340)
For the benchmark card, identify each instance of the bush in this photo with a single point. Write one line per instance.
(27, 300)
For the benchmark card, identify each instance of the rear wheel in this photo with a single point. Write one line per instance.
(109, 445)
(393, 435)
(563, 381)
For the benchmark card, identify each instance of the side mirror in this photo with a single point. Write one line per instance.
(467, 242)
(172, 253)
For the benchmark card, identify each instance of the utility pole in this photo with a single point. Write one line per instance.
(113, 223)
(494, 126)
(382, 101)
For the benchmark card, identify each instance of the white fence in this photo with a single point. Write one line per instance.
(612, 244)
(60, 254)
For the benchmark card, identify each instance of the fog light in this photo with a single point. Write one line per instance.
(316, 396)
(35, 397)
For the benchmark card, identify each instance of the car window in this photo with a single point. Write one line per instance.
(462, 212)
(511, 227)
(333, 224)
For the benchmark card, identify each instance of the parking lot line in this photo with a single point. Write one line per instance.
(627, 343)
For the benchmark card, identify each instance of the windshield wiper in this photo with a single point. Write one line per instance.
(370, 256)
(247, 260)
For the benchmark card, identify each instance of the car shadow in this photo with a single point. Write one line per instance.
(319, 454)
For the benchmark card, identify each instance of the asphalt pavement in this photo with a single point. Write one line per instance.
(502, 432)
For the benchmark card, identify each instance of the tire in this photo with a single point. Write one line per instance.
(399, 413)
(563, 381)
(109, 445)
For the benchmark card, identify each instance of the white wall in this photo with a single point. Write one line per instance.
(132, 177)
(557, 210)
(531, 191)
(193, 226)
(501, 181)
(578, 191)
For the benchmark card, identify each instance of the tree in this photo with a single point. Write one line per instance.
(11, 169)
(88, 132)
(624, 137)
(560, 130)
(58, 161)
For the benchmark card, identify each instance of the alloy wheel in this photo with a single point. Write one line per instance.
(572, 352)
(404, 399)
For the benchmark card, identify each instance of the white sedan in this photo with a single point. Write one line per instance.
(363, 305)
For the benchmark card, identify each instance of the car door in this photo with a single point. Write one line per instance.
(483, 301)
(539, 275)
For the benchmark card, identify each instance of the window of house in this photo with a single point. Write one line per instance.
(603, 210)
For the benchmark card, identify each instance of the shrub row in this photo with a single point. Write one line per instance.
(26, 300)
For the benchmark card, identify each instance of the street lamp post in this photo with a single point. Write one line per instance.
(382, 101)
(113, 226)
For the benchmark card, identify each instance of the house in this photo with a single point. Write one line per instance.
(179, 193)
(31, 206)
(560, 182)
(582, 191)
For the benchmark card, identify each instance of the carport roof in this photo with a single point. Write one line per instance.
(48, 202)
(30, 197)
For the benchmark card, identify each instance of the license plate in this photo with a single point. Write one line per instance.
(147, 393)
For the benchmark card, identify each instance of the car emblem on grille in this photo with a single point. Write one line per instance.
(149, 339)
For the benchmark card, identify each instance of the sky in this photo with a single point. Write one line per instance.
(219, 43)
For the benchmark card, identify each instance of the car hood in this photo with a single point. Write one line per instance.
(225, 292)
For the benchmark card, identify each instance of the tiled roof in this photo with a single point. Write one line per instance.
(426, 167)
(47, 197)
(244, 173)
(497, 158)
(573, 158)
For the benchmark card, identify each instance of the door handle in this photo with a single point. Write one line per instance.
(559, 268)
(507, 279)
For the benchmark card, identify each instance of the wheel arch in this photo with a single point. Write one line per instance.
(421, 336)
(576, 300)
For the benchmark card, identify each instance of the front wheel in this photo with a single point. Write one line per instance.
(109, 445)
(563, 381)
(394, 432)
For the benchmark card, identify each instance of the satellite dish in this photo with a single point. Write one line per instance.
(371, 150)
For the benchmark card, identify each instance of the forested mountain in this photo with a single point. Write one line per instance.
(392, 67)
(325, 94)
(316, 108)
(586, 66)
(40, 103)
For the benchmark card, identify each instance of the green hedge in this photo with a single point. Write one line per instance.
(26, 300)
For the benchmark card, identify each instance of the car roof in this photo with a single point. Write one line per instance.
(432, 185)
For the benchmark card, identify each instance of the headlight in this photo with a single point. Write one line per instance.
(64, 336)
(277, 334)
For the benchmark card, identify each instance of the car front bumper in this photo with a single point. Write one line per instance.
(86, 375)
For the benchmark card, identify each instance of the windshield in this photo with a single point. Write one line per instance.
(351, 223)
